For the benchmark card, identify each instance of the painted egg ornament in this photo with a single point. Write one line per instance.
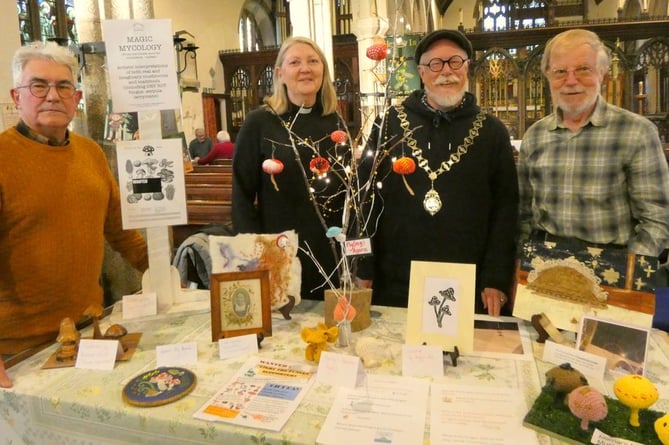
(339, 136)
(272, 167)
(319, 165)
(377, 51)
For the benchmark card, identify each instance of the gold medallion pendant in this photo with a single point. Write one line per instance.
(432, 202)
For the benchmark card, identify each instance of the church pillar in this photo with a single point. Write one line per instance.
(317, 24)
(118, 278)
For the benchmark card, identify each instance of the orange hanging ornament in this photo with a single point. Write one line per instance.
(405, 166)
(343, 308)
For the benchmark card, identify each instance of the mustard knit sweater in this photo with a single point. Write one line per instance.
(57, 205)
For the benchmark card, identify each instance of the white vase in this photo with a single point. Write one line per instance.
(344, 338)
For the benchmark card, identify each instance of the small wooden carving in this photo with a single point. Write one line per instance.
(95, 311)
(68, 337)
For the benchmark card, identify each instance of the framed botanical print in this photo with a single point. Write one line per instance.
(240, 304)
(441, 305)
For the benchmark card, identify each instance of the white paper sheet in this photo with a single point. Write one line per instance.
(478, 415)
(388, 409)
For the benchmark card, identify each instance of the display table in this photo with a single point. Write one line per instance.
(77, 406)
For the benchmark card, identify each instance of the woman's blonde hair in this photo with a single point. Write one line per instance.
(327, 95)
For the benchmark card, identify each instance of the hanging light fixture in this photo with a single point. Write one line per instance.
(186, 52)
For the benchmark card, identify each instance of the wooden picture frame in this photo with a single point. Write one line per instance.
(441, 305)
(240, 304)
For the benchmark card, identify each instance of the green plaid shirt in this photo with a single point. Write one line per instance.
(606, 183)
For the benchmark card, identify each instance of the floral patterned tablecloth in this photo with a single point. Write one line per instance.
(78, 406)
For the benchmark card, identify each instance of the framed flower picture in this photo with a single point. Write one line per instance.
(240, 304)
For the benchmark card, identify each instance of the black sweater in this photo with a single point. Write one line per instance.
(477, 223)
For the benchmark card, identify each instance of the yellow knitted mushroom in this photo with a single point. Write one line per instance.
(635, 392)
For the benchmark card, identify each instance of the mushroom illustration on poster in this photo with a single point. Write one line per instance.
(151, 181)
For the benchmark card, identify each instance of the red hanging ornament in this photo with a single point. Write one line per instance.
(319, 165)
(377, 51)
(339, 136)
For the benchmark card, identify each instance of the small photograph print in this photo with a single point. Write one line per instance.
(623, 346)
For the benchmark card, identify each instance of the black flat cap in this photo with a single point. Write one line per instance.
(453, 35)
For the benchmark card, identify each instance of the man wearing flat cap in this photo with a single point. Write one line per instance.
(460, 205)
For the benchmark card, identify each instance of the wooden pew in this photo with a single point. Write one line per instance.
(206, 192)
(208, 199)
(213, 168)
(208, 178)
(202, 212)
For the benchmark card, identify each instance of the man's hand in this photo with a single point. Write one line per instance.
(5, 381)
(365, 284)
(493, 300)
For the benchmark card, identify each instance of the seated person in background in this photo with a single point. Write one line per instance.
(53, 220)
(591, 171)
(200, 146)
(223, 149)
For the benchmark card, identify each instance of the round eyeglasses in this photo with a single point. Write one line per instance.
(41, 89)
(437, 64)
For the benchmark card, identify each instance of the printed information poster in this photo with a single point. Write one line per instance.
(151, 179)
(384, 410)
(465, 415)
(140, 61)
(263, 394)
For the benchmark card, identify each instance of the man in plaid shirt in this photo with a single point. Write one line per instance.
(591, 171)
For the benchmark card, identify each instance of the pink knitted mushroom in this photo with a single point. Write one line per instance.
(587, 404)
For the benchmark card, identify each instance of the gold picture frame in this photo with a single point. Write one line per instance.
(240, 304)
(441, 305)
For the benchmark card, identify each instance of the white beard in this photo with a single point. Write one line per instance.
(445, 101)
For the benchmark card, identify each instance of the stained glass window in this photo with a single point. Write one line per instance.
(47, 20)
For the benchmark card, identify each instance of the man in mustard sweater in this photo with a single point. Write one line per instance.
(58, 203)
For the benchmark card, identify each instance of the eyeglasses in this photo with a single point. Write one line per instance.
(41, 89)
(582, 72)
(437, 64)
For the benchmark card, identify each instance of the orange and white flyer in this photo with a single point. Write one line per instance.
(263, 394)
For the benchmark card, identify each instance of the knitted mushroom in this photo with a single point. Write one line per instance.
(662, 429)
(587, 404)
(344, 309)
(564, 379)
(339, 136)
(319, 165)
(405, 166)
(635, 392)
(271, 167)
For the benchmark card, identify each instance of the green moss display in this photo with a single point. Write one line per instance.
(550, 415)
